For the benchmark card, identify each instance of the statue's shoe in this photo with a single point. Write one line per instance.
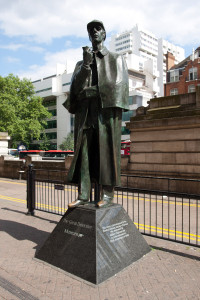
(77, 203)
(104, 203)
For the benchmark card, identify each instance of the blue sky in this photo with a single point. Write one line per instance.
(37, 34)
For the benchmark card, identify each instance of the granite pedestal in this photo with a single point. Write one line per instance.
(94, 243)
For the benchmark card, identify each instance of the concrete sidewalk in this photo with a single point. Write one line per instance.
(169, 271)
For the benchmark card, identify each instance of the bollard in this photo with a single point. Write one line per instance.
(21, 172)
(31, 190)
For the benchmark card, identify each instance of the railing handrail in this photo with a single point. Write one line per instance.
(132, 175)
(176, 215)
(160, 177)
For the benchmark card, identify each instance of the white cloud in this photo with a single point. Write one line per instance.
(11, 59)
(15, 47)
(68, 44)
(68, 57)
(43, 20)
(34, 48)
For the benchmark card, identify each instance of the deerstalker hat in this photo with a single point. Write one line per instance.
(91, 24)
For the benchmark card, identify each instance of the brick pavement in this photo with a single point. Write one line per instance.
(169, 271)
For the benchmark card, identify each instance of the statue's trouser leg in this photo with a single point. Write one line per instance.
(107, 193)
(84, 179)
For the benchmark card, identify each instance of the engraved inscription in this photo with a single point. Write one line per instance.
(73, 233)
(75, 223)
(116, 231)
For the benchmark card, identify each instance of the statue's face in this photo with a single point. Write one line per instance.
(97, 34)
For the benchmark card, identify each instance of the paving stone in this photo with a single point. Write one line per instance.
(170, 271)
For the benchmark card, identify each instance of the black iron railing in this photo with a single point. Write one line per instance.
(163, 213)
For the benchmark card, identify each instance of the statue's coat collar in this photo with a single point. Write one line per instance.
(103, 51)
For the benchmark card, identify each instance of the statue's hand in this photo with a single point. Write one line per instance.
(87, 55)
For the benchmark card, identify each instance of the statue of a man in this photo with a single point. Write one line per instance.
(98, 94)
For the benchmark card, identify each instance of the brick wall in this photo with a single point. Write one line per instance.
(184, 82)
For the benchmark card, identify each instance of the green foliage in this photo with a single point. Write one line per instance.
(22, 114)
(68, 143)
(45, 145)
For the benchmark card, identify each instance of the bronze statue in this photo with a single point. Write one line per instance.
(98, 94)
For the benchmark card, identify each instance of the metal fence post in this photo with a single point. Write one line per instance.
(30, 190)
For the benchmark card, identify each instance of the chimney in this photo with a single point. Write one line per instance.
(170, 60)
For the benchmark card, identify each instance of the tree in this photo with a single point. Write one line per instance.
(22, 113)
(68, 143)
(45, 145)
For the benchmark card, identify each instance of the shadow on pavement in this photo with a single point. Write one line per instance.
(20, 212)
(24, 232)
(176, 252)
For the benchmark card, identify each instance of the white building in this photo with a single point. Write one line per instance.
(53, 90)
(164, 47)
(146, 45)
(143, 85)
(4, 139)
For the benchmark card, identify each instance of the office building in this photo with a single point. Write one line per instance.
(143, 85)
(146, 45)
(53, 90)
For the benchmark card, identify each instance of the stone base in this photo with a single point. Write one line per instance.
(94, 243)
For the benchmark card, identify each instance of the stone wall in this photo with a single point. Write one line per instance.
(4, 138)
(165, 139)
(51, 169)
(9, 167)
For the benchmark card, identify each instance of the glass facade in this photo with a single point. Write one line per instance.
(125, 131)
(136, 99)
(126, 115)
(51, 102)
(51, 135)
(51, 124)
(53, 112)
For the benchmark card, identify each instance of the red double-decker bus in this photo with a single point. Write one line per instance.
(125, 147)
(45, 154)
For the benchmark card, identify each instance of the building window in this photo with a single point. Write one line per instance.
(44, 90)
(53, 112)
(51, 124)
(191, 88)
(72, 121)
(192, 73)
(47, 103)
(141, 66)
(125, 131)
(174, 75)
(197, 54)
(173, 92)
(122, 48)
(53, 147)
(130, 100)
(127, 115)
(51, 135)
